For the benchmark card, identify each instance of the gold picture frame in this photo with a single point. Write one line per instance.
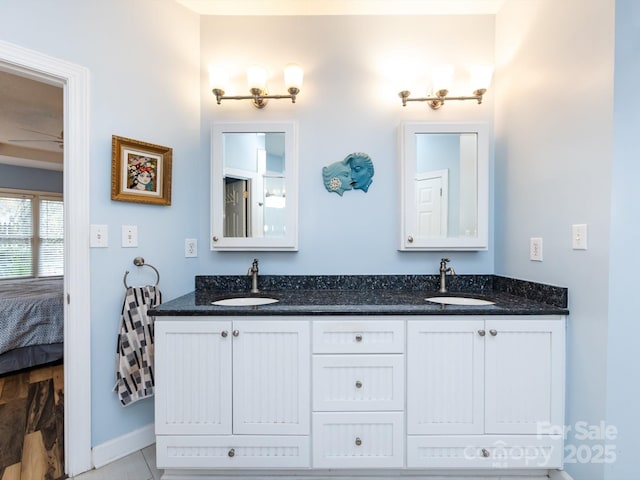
(140, 171)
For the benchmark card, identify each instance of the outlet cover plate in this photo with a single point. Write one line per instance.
(535, 249)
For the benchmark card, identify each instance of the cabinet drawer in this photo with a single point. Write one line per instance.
(202, 451)
(358, 382)
(358, 440)
(358, 336)
(487, 451)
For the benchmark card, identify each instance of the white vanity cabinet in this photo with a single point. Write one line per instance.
(324, 395)
(232, 393)
(482, 392)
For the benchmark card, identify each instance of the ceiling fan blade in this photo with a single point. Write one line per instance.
(58, 137)
(16, 140)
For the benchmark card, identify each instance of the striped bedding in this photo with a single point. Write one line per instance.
(31, 313)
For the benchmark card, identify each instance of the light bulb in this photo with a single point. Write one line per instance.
(441, 77)
(293, 75)
(257, 78)
(481, 76)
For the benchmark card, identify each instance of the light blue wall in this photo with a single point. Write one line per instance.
(13, 176)
(144, 63)
(623, 359)
(554, 142)
(348, 103)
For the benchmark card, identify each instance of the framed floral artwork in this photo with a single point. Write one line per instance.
(140, 171)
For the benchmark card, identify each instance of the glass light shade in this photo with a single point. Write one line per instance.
(218, 78)
(293, 75)
(481, 76)
(441, 76)
(257, 77)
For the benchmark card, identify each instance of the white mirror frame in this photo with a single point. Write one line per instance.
(288, 242)
(407, 156)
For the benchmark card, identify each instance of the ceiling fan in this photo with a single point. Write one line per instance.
(59, 139)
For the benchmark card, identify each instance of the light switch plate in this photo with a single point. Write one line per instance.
(579, 236)
(129, 236)
(535, 249)
(99, 236)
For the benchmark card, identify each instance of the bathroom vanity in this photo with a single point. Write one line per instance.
(350, 375)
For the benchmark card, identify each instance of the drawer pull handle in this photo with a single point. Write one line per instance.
(493, 332)
(485, 453)
(236, 333)
(224, 333)
(358, 338)
(232, 452)
(482, 333)
(358, 441)
(358, 384)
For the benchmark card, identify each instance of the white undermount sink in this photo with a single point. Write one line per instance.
(244, 301)
(460, 301)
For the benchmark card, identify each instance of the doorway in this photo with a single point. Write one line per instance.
(74, 80)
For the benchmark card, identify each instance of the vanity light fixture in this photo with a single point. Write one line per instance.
(441, 79)
(257, 81)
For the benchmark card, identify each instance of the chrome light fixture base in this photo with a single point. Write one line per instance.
(258, 96)
(435, 102)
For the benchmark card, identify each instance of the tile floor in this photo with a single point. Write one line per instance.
(140, 465)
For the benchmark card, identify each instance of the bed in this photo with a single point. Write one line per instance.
(31, 322)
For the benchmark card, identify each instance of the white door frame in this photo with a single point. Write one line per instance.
(74, 79)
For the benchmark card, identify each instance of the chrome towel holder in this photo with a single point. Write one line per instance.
(139, 262)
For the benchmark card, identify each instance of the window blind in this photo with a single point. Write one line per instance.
(16, 234)
(51, 255)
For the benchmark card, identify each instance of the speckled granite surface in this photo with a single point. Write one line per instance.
(368, 295)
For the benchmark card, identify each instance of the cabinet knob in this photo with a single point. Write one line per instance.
(236, 333)
(215, 238)
(410, 239)
(232, 452)
(358, 338)
(485, 453)
(493, 332)
(358, 384)
(358, 441)
(482, 333)
(224, 333)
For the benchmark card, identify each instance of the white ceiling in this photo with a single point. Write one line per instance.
(343, 7)
(31, 122)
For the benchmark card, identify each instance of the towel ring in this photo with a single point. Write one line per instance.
(139, 262)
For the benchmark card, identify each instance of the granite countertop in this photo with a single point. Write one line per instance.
(367, 295)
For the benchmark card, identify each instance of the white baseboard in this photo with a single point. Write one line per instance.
(119, 447)
(559, 475)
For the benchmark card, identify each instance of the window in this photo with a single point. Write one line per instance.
(24, 253)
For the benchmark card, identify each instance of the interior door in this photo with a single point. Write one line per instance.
(236, 196)
(431, 189)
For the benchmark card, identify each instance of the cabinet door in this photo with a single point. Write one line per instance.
(524, 375)
(271, 370)
(445, 385)
(193, 377)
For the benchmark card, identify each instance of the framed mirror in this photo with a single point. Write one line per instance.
(444, 186)
(254, 186)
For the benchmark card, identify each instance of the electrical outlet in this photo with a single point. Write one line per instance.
(99, 236)
(129, 236)
(535, 249)
(190, 247)
(579, 237)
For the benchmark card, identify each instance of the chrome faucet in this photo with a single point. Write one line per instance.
(443, 274)
(253, 273)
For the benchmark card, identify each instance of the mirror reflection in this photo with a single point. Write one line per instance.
(445, 185)
(254, 184)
